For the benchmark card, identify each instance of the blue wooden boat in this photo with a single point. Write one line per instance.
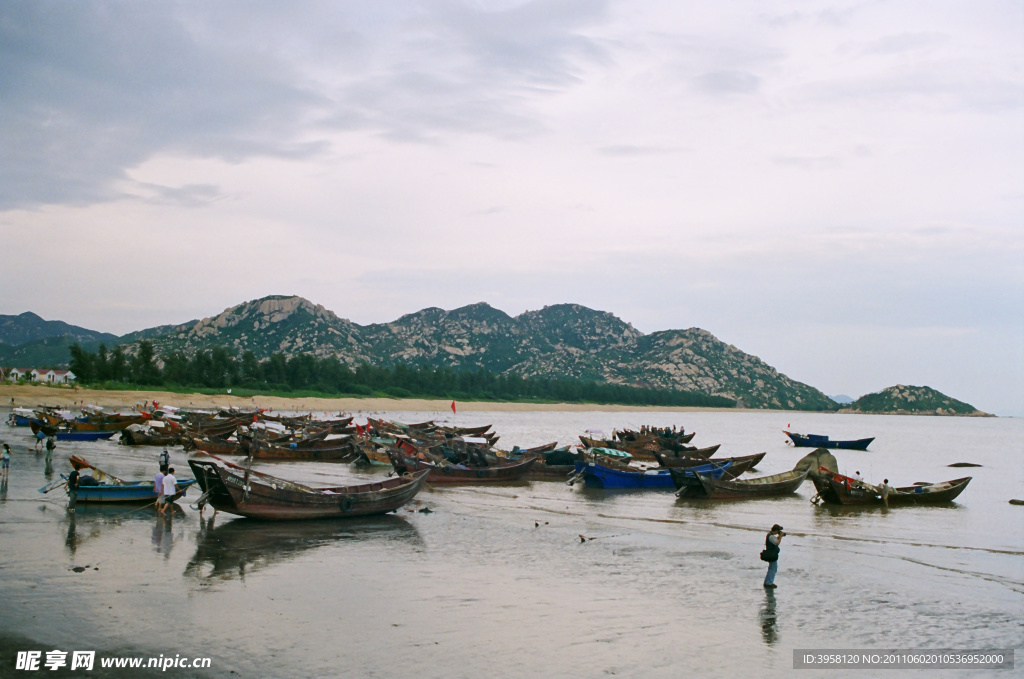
(20, 417)
(65, 435)
(600, 476)
(820, 441)
(129, 491)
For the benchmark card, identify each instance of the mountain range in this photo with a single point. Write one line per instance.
(559, 341)
(26, 340)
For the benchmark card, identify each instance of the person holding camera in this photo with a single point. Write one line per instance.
(771, 554)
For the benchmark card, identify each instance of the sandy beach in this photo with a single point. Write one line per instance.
(34, 395)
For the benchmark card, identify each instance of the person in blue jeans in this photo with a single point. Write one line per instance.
(771, 548)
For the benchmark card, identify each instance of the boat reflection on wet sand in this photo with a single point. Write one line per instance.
(90, 521)
(239, 547)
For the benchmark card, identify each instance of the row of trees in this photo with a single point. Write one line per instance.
(115, 366)
(217, 369)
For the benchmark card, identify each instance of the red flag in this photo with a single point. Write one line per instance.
(255, 418)
(453, 407)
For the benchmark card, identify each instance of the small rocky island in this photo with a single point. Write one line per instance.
(904, 400)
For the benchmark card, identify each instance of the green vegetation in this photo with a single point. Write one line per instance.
(306, 375)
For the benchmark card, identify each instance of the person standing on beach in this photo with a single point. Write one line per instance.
(39, 439)
(5, 463)
(158, 486)
(51, 445)
(771, 554)
(170, 488)
(72, 490)
(165, 461)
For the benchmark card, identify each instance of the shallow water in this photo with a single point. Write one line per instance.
(496, 581)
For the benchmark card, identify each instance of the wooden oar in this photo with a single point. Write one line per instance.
(80, 462)
(52, 486)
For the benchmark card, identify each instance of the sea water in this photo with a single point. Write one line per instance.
(530, 579)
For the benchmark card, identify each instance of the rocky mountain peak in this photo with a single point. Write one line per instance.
(577, 326)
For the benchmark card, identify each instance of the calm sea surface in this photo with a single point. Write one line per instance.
(496, 582)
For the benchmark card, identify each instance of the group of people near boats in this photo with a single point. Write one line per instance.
(882, 490)
(164, 483)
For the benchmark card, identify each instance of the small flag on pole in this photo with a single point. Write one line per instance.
(453, 407)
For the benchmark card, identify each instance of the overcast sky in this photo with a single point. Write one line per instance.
(837, 188)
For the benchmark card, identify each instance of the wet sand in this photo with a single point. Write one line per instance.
(28, 396)
(495, 581)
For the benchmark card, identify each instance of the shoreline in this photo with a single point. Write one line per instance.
(28, 395)
(36, 395)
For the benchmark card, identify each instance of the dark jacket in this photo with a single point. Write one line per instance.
(771, 552)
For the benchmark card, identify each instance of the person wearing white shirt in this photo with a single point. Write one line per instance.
(170, 488)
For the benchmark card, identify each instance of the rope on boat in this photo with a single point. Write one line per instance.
(114, 518)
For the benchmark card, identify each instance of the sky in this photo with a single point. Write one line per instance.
(834, 187)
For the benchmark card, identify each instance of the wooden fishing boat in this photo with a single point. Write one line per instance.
(820, 441)
(646, 451)
(113, 423)
(597, 443)
(141, 435)
(262, 496)
(684, 462)
(340, 452)
(656, 443)
(628, 435)
(836, 489)
(688, 477)
(542, 471)
(555, 465)
(40, 426)
(211, 444)
(693, 451)
(761, 486)
(536, 450)
(313, 439)
(52, 419)
(467, 431)
(108, 488)
(241, 414)
(216, 427)
(131, 491)
(451, 473)
(245, 437)
(20, 417)
(599, 476)
(71, 435)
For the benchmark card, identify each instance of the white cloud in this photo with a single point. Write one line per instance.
(675, 163)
